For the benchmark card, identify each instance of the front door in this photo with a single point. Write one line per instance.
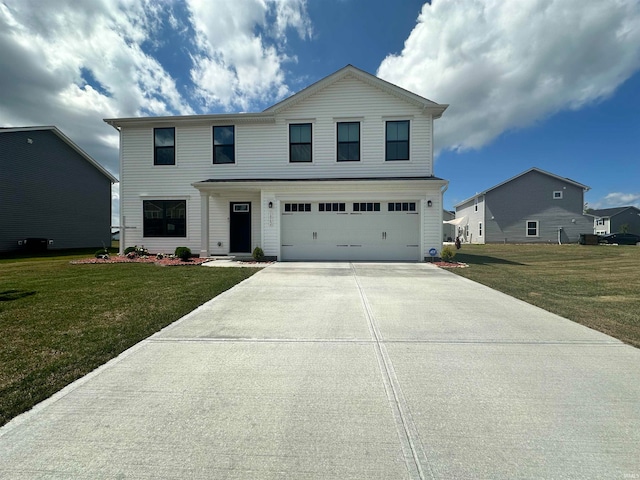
(240, 227)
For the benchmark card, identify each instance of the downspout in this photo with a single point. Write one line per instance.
(559, 235)
(121, 245)
(443, 189)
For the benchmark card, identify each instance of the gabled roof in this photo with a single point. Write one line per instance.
(533, 169)
(66, 140)
(268, 115)
(351, 71)
(611, 212)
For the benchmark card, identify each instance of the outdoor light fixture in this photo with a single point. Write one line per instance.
(429, 203)
(270, 204)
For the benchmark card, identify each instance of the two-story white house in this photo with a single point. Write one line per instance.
(342, 170)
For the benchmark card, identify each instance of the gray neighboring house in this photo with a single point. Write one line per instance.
(51, 189)
(532, 207)
(613, 220)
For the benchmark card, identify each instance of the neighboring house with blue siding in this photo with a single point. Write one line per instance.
(532, 207)
(615, 220)
(51, 189)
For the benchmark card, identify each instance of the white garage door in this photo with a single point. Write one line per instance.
(387, 230)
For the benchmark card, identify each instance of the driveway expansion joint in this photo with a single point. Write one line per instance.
(414, 455)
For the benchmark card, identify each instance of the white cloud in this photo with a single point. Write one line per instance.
(241, 49)
(48, 50)
(71, 64)
(618, 199)
(504, 65)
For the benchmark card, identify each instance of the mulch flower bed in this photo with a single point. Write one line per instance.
(451, 264)
(165, 261)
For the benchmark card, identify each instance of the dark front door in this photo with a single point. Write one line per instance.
(240, 227)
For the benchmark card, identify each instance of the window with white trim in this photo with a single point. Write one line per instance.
(300, 144)
(164, 146)
(479, 229)
(532, 227)
(224, 144)
(348, 141)
(557, 195)
(397, 140)
(164, 218)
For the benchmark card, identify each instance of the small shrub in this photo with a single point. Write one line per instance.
(447, 253)
(258, 254)
(183, 253)
(136, 251)
(102, 253)
(159, 256)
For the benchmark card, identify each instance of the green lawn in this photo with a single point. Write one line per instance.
(60, 321)
(597, 286)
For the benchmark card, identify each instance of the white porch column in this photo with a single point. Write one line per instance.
(204, 224)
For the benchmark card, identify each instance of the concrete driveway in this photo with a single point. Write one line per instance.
(347, 371)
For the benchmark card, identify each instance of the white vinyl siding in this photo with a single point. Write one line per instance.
(262, 151)
(474, 213)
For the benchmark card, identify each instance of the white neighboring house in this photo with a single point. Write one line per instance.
(342, 170)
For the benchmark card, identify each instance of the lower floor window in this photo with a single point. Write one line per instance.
(532, 228)
(165, 218)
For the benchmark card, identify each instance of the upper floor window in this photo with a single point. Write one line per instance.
(164, 218)
(224, 144)
(349, 141)
(397, 140)
(300, 142)
(475, 205)
(164, 146)
(557, 195)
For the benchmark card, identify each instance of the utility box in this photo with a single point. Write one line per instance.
(589, 239)
(36, 244)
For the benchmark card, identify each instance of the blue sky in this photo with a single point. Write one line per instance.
(553, 84)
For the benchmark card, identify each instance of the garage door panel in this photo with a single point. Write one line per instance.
(350, 235)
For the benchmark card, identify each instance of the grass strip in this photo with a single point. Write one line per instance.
(597, 286)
